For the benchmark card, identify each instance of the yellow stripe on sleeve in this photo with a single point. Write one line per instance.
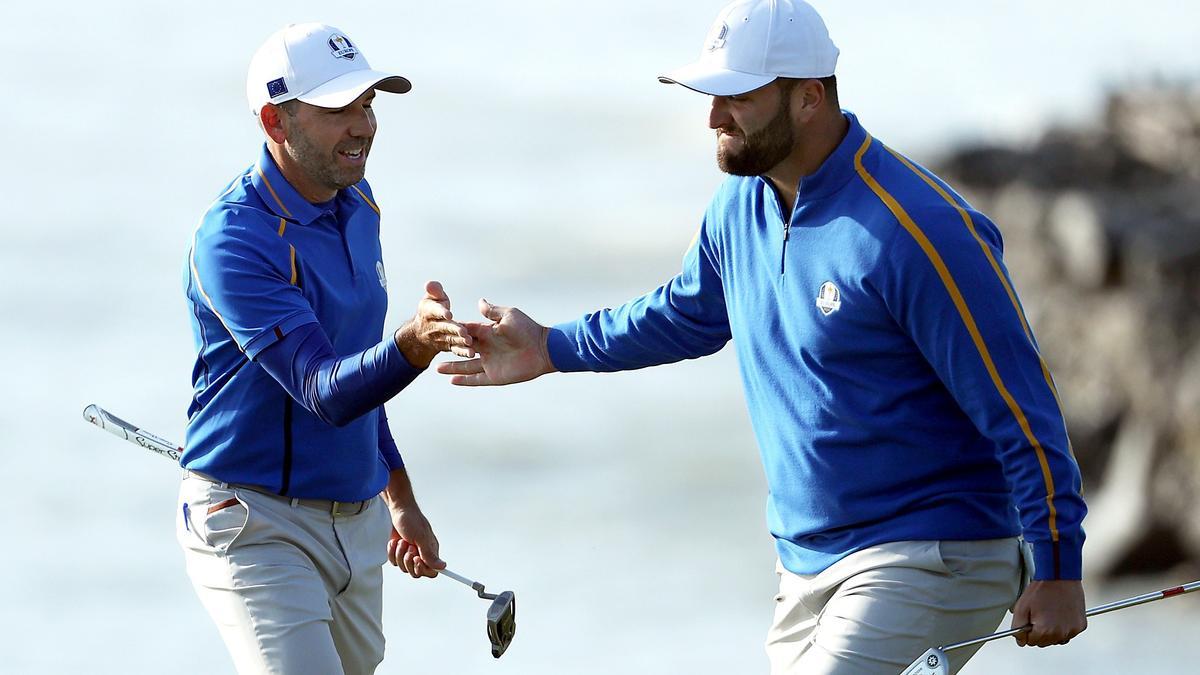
(964, 312)
(1012, 296)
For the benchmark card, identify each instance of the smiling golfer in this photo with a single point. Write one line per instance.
(294, 480)
(909, 428)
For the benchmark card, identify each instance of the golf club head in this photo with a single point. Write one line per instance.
(932, 662)
(502, 622)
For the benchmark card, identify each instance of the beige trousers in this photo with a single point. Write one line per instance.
(292, 588)
(877, 609)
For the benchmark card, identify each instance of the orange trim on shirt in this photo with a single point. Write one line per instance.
(968, 319)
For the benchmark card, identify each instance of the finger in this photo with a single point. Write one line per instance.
(391, 552)
(410, 561)
(452, 329)
(434, 291)
(461, 367)
(464, 352)
(480, 379)
(1020, 618)
(403, 554)
(493, 312)
(431, 310)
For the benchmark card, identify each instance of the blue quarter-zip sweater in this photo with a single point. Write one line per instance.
(895, 388)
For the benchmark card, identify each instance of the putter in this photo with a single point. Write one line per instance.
(501, 615)
(935, 662)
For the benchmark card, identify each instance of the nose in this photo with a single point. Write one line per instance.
(363, 124)
(719, 115)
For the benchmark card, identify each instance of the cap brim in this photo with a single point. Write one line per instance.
(342, 90)
(706, 79)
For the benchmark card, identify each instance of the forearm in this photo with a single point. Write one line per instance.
(336, 389)
(669, 324)
(398, 494)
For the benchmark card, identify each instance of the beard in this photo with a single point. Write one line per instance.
(322, 166)
(761, 150)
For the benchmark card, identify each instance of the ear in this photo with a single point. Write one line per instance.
(271, 117)
(808, 97)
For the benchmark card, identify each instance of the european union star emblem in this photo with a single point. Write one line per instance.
(276, 87)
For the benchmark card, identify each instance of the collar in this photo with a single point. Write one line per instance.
(279, 195)
(838, 167)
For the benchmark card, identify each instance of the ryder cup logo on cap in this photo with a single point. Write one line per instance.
(752, 42)
(316, 64)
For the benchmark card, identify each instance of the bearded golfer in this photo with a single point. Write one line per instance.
(293, 478)
(909, 427)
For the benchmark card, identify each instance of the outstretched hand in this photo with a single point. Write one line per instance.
(511, 348)
(433, 330)
(1056, 610)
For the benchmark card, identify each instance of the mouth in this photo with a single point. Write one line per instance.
(355, 155)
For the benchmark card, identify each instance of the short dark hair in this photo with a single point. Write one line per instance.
(290, 106)
(830, 84)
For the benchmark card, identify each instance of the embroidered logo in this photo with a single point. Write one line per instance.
(342, 47)
(829, 298)
(716, 39)
(276, 87)
(382, 276)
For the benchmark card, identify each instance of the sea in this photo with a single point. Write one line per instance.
(538, 163)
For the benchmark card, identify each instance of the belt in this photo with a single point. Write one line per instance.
(330, 506)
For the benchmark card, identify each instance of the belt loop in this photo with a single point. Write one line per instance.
(295, 502)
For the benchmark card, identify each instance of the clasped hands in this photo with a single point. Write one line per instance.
(510, 347)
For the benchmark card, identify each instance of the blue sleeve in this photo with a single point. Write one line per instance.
(684, 318)
(387, 445)
(244, 272)
(336, 389)
(947, 286)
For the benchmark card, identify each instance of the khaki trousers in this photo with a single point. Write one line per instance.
(292, 588)
(877, 609)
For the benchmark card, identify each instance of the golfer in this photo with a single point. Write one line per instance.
(293, 479)
(909, 428)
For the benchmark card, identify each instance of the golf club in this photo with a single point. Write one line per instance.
(501, 616)
(935, 662)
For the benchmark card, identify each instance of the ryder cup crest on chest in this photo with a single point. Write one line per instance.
(829, 298)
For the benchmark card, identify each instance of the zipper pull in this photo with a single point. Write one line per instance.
(787, 228)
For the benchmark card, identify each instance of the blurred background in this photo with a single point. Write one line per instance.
(537, 162)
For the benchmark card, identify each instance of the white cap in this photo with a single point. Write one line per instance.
(316, 64)
(752, 42)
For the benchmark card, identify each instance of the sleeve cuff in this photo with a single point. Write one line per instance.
(1058, 560)
(401, 370)
(275, 333)
(562, 349)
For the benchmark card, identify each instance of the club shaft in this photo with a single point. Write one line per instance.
(1101, 609)
(457, 577)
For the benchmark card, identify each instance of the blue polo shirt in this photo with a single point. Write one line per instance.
(265, 262)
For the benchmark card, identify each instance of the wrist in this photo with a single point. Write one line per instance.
(414, 350)
(544, 347)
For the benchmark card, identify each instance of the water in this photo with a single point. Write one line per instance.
(536, 162)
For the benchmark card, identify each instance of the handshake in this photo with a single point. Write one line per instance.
(509, 347)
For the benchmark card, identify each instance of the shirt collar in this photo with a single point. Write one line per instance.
(838, 167)
(278, 194)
